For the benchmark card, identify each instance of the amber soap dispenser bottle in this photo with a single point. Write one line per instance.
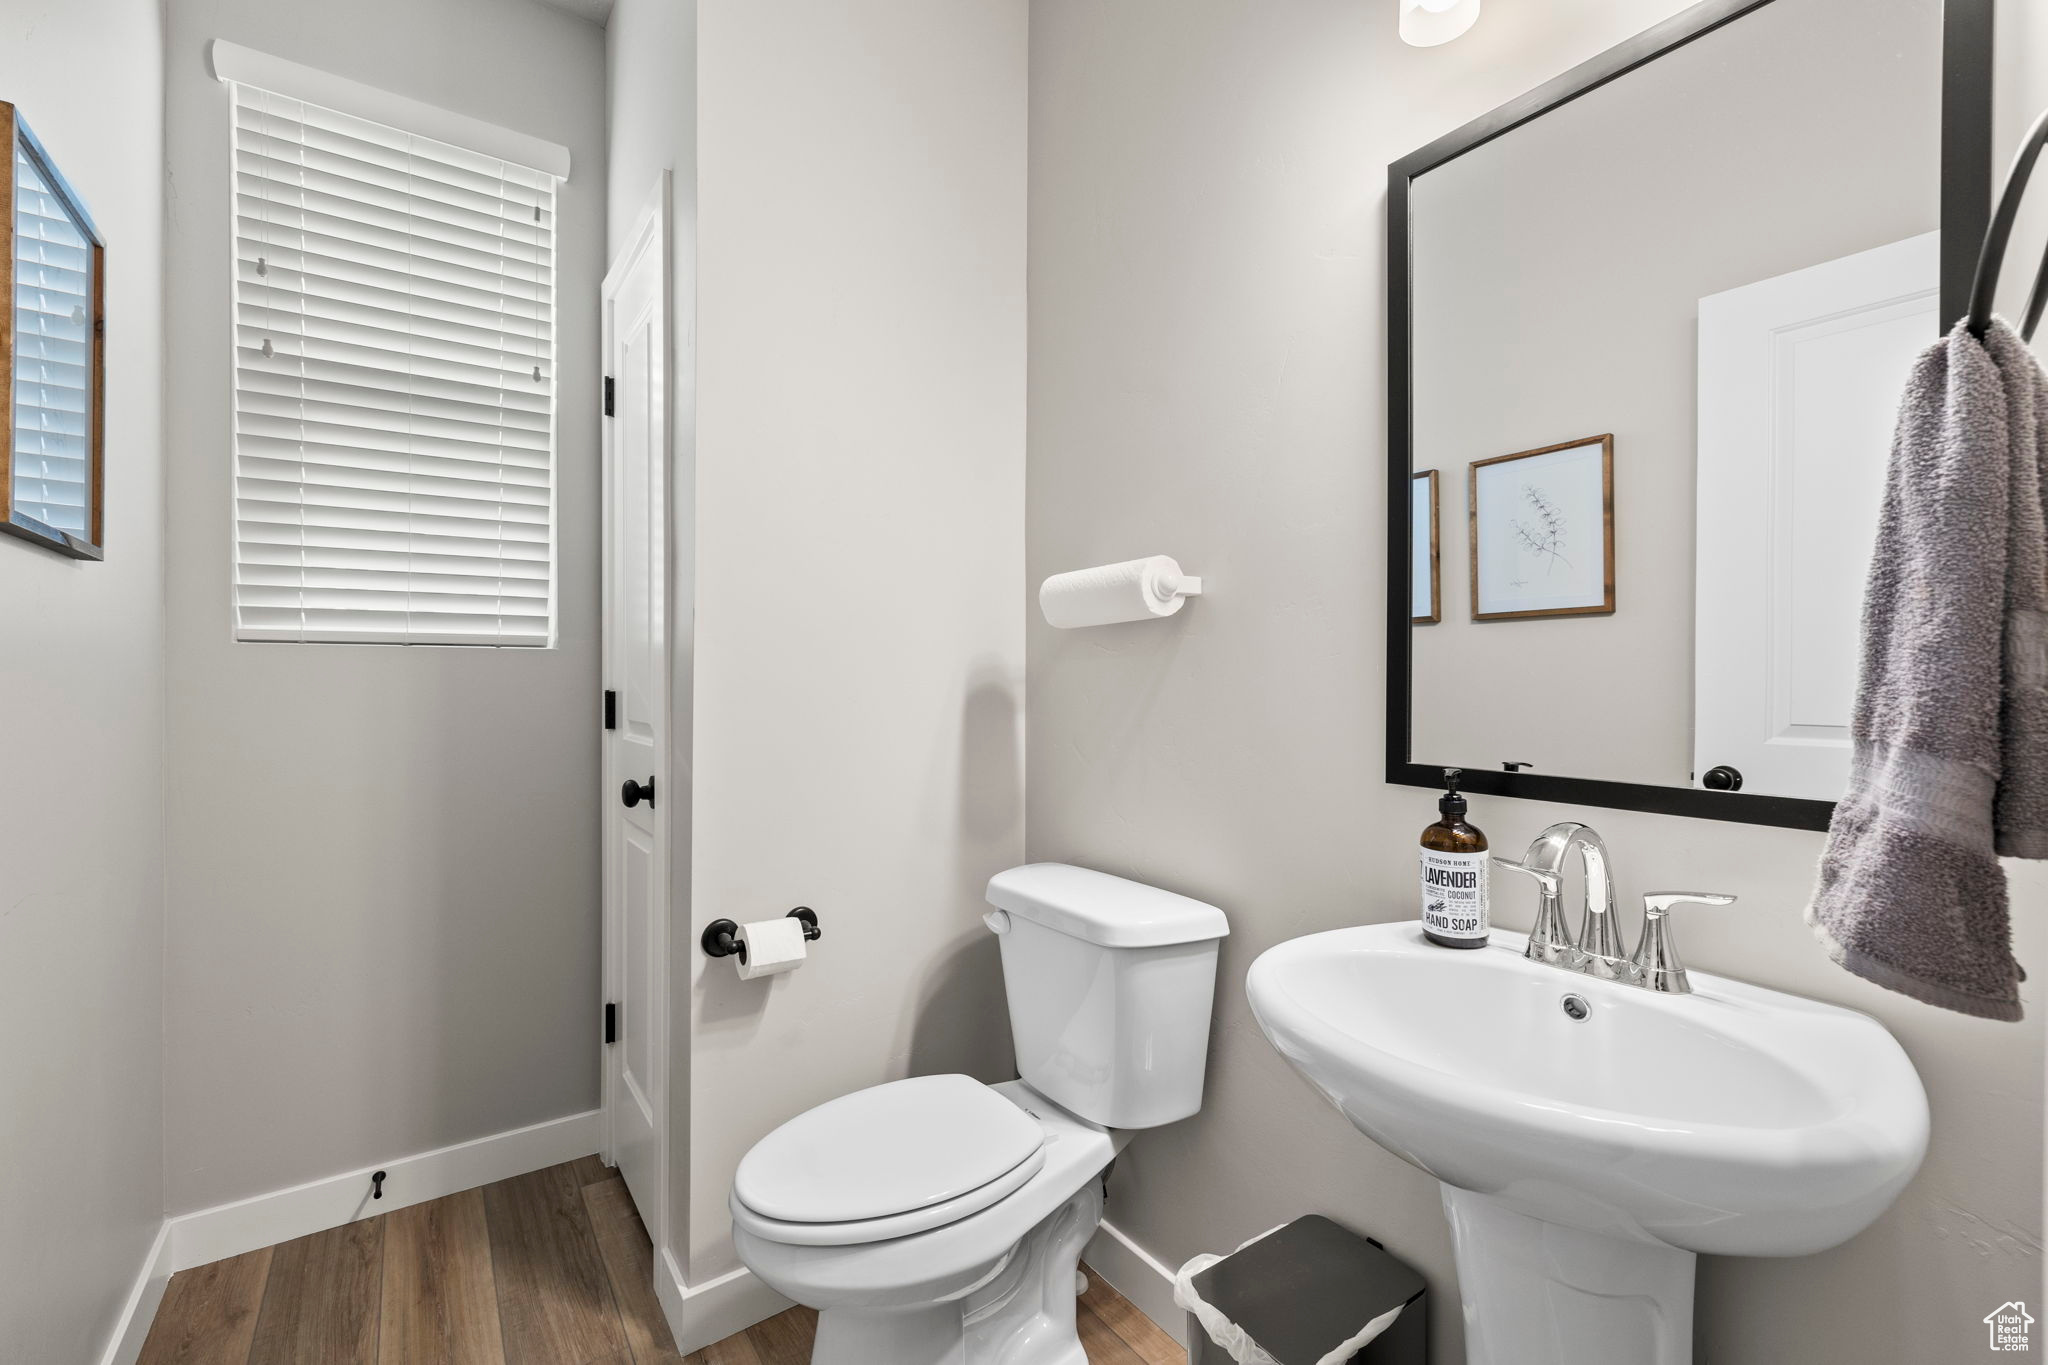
(1455, 910)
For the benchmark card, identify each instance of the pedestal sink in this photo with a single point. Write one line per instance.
(1594, 1137)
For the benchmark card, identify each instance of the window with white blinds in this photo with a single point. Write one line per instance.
(394, 384)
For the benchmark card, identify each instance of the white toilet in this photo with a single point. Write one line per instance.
(938, 1220)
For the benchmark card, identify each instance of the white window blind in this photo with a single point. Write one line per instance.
(394, 384)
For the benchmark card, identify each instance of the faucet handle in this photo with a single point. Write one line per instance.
(1656, 962)
(1546, 878)
(1549, 940)
(1658, 903)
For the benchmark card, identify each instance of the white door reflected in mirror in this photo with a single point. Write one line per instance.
(1800, 377)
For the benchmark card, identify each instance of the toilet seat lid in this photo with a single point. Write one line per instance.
(886, 1150)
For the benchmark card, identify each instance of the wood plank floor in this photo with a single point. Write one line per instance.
(548, 1268)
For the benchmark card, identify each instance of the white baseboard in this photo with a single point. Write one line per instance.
(131, 1329)
(266, 1219)
(1133, 1273)
(712, 1311)
(208, 1235)
(698, 1315)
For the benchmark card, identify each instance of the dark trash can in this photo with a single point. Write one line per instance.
(1308, 1288)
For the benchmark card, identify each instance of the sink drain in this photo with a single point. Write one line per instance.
(1575, 1006)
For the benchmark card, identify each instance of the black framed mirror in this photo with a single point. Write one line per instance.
(1647, 325)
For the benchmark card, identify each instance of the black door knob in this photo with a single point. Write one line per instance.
(633, 793)
(1722, 778)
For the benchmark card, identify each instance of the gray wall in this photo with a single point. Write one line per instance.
(383, 920)
(1558, 273)
(81, 688)
(849, 223)
(1206, 351)
(860, 540)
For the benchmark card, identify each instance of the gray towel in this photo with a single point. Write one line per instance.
(1950, 766)
(2022, 810)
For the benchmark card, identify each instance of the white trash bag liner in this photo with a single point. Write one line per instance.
(1232, 1338)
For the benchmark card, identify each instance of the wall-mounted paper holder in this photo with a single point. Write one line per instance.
(721, 936)
(1134, 590)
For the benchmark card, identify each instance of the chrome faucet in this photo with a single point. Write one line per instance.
(1596, 949)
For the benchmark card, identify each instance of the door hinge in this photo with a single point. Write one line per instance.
(611, 1023)
(608, 395)
(611, 709)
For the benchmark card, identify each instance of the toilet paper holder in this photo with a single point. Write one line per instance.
(721, 936)
(1145, 589)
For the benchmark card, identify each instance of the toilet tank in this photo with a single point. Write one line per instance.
(1110, 984)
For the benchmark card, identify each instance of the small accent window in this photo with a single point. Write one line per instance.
(394, 385)
(52, 384)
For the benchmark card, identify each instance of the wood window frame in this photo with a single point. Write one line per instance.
(20, 524)
(1436, 547)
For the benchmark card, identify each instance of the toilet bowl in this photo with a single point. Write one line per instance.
(938, 1220)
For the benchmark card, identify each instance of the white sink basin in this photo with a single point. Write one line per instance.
(1585, 1160)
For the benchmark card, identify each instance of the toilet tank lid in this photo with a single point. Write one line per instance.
(1112, 911)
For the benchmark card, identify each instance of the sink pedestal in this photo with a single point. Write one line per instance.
(1538, 1293)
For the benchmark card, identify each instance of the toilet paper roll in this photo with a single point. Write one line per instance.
(773, 946)
(1135, 590)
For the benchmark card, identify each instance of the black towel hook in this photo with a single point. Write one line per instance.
(1984, 284)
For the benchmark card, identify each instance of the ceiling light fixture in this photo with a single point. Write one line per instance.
(1426, 23)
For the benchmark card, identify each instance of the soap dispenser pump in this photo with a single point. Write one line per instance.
(1456, 912)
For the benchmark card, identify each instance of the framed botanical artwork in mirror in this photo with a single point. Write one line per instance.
(53, 341)
(1542, 532)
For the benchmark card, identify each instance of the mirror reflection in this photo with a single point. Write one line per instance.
(1658, 339)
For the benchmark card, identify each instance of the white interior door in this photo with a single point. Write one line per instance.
(1800, 378)
(636, 835)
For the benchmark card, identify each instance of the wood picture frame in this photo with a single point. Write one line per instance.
(88, 540)
(1435, 602)
(1548, 531)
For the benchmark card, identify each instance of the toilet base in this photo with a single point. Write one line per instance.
(1021, 1314)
